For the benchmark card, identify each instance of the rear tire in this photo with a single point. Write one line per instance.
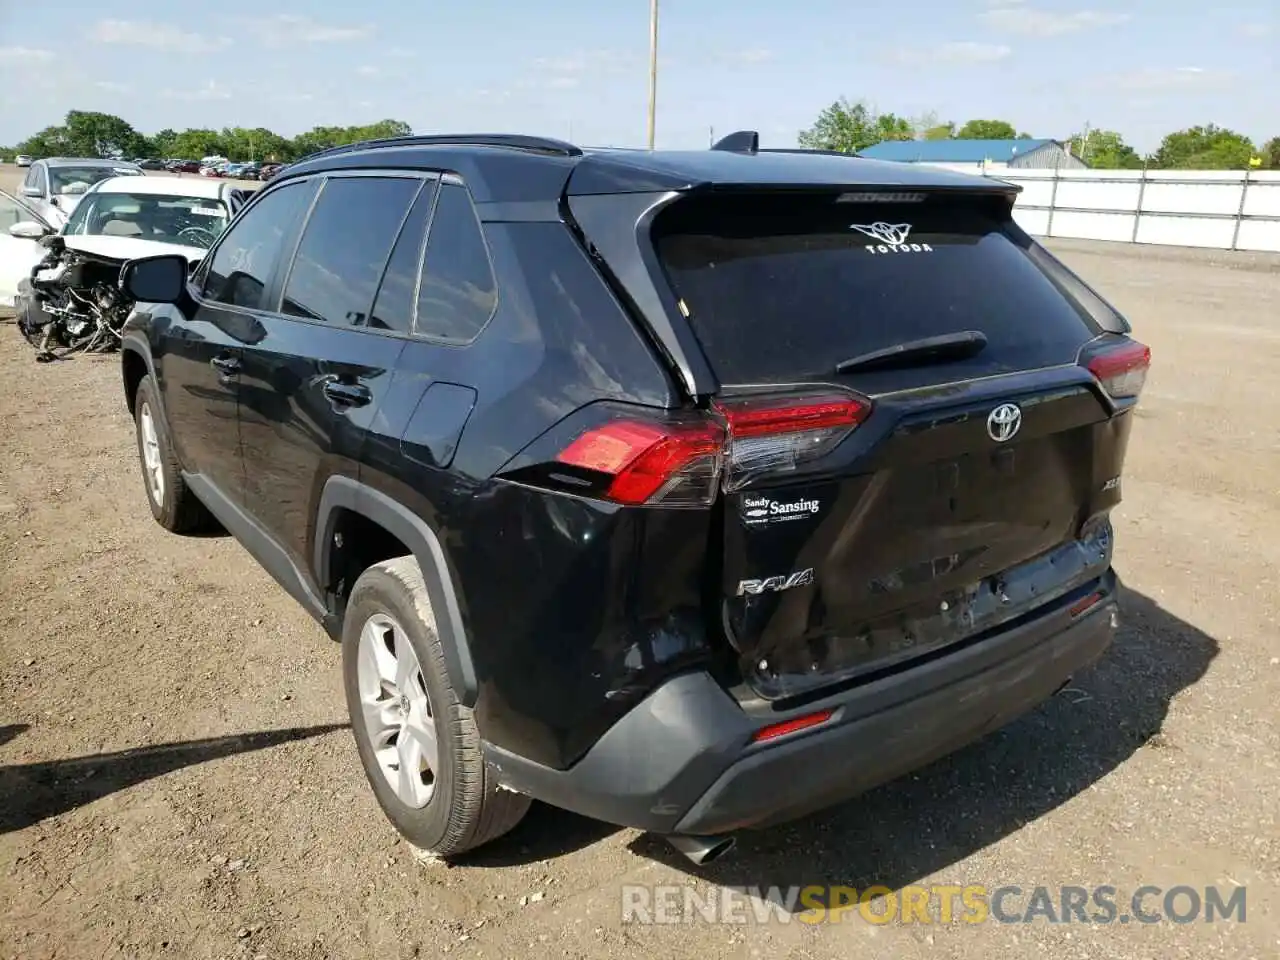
(173, 504)
(405, 716)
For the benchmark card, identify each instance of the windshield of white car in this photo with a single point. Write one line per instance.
(189, 221)
(78, 179)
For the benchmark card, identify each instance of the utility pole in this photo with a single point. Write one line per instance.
(653, 69)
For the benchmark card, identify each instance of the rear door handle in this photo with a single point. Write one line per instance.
(347, 394)
(227, 366)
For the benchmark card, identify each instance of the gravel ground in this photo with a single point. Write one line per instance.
(176, 779)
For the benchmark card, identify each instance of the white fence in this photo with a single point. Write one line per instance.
(1223, 210)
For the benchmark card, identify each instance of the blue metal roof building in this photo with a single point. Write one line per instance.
(1024, 154)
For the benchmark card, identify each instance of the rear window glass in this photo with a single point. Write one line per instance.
(783, 288)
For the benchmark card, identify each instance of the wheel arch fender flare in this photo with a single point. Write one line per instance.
(422, 541)
(134, 343)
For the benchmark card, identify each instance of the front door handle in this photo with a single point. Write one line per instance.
(347, 394)
(227, 366)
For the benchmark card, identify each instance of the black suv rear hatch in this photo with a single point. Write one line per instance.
(932, 458)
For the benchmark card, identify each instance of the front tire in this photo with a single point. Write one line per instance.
(419, 746)
(173, 504)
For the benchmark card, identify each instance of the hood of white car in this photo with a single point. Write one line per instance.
(130, 248)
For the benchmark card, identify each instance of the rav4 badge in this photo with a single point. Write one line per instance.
(801, 578)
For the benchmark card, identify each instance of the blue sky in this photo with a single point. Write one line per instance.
(580, 69)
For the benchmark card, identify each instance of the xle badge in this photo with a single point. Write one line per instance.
(801, 578)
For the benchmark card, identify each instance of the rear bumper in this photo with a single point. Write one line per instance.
(682, 761)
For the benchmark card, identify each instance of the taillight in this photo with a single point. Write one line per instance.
(1122, 370)
(684, 461)
(671, 465)
(780, 434)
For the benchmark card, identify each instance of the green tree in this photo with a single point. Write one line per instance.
(49, 142)
(195, 144)
(1205, 148)
(890, 126)
(383, 130)
(322, 138)
(987, 130)
(1105, 150)
(851, 127)
(318, 138)
(161, 145)
(940, 131)
(258, 143)
(91, 134)
(1271, 154)
(85, 133)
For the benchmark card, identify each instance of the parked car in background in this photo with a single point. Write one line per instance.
(269, 170)
(63, 287)
(22, 160)
(157, 210)
(119, 216)
(249, 171)
(54, 186)
(151, 164)
(241, 195)
(21, 227)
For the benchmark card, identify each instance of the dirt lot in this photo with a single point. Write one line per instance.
(176, 779)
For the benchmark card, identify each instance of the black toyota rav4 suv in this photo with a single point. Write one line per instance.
(691, 491)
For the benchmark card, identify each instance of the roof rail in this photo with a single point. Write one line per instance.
(821, 153)
(513, 141)
(742, 141)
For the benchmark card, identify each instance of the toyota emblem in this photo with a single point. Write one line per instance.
(1003, 422)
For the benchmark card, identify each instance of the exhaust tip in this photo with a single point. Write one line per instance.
(702, 850)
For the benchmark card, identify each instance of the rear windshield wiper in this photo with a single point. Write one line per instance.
(918, 353)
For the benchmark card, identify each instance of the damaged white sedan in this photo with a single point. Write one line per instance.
(70, 300)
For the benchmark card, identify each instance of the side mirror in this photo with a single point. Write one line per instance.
(32, 191)
(29, 230)
(161, 279)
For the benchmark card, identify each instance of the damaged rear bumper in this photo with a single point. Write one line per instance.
(683, 760)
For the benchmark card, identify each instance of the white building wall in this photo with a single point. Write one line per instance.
(1219, 209)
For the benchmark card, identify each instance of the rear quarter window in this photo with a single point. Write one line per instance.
(783, 287)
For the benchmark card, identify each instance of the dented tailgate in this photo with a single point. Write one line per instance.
(949, 457)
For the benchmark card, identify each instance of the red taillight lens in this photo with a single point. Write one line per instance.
(672, 465)
(1122, 370)
(779, 434)
(684, 462)
(776, 730)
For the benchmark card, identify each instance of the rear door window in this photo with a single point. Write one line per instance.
(394, 307)
(781, 288)
(345, 246)
(458, 293)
